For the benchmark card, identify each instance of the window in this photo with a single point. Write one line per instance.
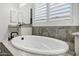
(59, 11)
(40, 12)
(52, 12)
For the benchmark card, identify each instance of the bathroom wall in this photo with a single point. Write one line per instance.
(60, 32)
(14, 6)
(3, 21)
(25, 18)
(25, 13)
(4, 18)
(25, 30)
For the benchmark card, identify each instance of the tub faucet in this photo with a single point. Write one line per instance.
(12, 36)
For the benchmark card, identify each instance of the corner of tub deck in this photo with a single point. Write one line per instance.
(75, 33)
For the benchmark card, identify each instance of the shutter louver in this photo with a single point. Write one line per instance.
(40, 12)
(59, 11)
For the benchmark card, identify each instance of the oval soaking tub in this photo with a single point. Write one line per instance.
(40, 45)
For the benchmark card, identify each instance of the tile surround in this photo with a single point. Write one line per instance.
(4, 51)
(60, 32)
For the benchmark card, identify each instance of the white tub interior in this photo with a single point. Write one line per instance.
(40, 44)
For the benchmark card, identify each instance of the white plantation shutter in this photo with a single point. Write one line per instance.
(40, 12)
(60, 11)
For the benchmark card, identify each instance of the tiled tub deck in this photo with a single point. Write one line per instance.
(4, 51)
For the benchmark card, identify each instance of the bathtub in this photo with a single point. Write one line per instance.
(40, 45)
